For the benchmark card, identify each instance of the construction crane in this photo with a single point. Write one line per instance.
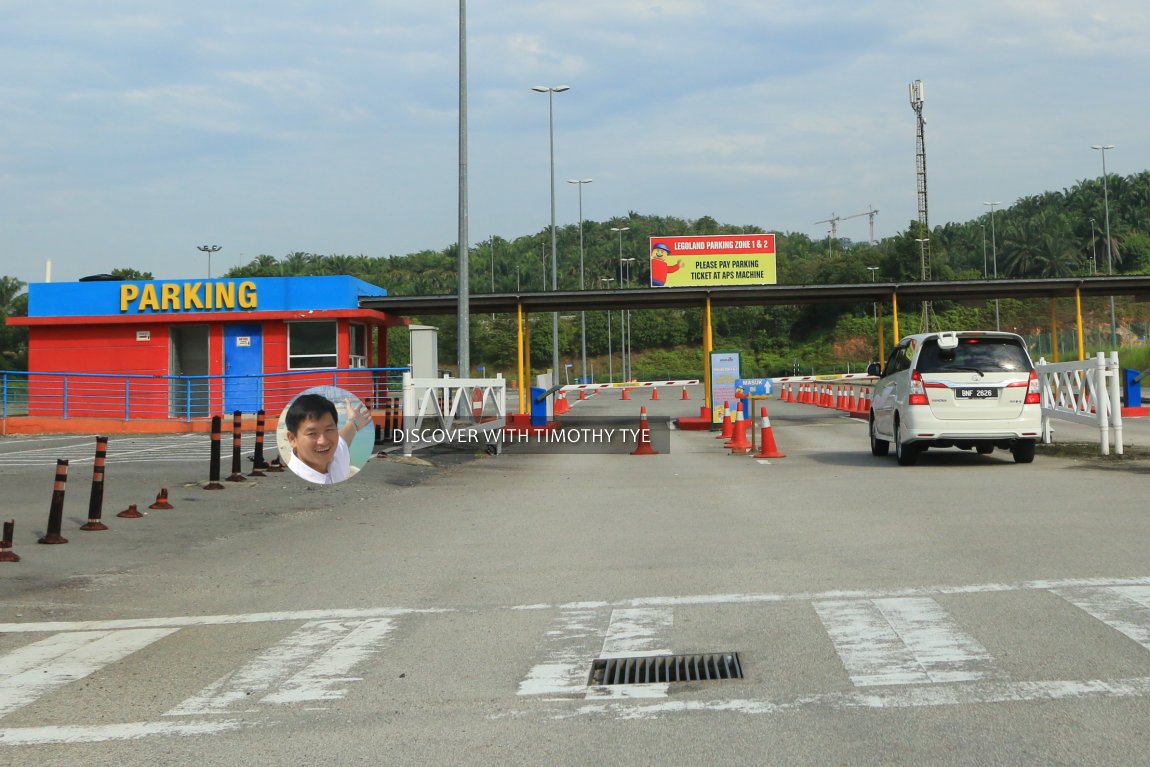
(835, 219)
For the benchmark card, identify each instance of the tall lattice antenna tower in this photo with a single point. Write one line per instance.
(916, 101)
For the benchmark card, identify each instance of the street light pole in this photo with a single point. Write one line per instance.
(994, 255)
(551, 91)
(1094, 250)
(629, 367)
(1109, 252)
(872, 270)
(582, 314)
(622, 333)
(610, 370)
(209, 249)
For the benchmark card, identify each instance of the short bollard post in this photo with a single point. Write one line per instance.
(6, 553)
(214, 469)
(96, 500)
(258, 462)
(237, 458)
(275, 465)
(131, 512)
(56, 512)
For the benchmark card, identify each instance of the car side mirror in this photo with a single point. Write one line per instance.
(874, 369)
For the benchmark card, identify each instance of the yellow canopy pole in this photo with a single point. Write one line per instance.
(1081, 342)
(894, 315)
(1054, 329)
(708, 343)
(519, 358)
(527, 354)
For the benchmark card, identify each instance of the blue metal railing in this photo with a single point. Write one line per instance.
(61, 394)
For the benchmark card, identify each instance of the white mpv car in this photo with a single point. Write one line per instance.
(972, 389)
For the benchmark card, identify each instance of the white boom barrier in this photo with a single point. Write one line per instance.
(1086, 392)
(628, 385)
(446, 410)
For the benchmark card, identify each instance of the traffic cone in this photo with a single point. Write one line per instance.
(626, 394)
(739, 445)
(767, 446)
(654, 393)
(561, 405)
(644, 446)
(684, 397)
(131, 512)
(728, 423)
(582, 395)
(162, 500)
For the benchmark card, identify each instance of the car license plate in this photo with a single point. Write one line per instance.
(976, 392)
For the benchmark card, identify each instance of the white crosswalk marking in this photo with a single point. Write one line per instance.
(636, 632)
(1123, 608)
(305, 666)
(39, 668)
(571, 641)
(909, 640)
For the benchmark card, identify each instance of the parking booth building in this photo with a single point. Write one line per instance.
(190, 349)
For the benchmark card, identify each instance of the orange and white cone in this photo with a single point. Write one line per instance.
(561, 405)
(626, 394)
(684, 397)
(739, 444)
(644, 446)
(767, 446)
(654, 393)
(728, 423)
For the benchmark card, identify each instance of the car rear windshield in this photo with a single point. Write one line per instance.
(982, 355)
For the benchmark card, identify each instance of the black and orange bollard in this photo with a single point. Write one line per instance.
(214, 469)
(237, 458)
(6, 553)
(96, 500)
(56, 512)
(258, 462)
(644, 446)
(162, 500)
(131, 512)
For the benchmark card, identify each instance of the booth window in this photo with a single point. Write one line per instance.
(313, 345)
(358, 337)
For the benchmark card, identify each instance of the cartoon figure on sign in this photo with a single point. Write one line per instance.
(660, 267)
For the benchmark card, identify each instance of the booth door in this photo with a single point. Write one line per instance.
(243, 367)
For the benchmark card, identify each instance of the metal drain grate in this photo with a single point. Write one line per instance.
(666, 668)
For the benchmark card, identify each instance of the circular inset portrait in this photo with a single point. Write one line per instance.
(321, 435)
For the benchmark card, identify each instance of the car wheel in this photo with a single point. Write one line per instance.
(1023, 451)
(984, 449)
(878, 447)
(907, 454)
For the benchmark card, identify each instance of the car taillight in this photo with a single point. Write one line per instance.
(1033, 389)
(917, 389)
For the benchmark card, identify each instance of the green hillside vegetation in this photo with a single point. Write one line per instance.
(1047, 235)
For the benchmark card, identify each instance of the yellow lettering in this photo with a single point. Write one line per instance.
(170, 296)
(148, 299)
(128, 294)
(192, 298)
(225, 295)
(248, 295)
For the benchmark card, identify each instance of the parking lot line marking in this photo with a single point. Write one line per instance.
(1125, 609)
(38, 668)
(901, 641)
(68, 734)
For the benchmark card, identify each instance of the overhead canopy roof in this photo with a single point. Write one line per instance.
(966, 291)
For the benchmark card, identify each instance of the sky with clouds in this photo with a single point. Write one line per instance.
(132, 131)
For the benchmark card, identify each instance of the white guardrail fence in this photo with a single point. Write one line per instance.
(1084, 391)
(453, 411)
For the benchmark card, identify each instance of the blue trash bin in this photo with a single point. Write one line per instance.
(538, 406)
(1131, 388)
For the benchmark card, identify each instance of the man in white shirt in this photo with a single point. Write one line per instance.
(320, 451)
